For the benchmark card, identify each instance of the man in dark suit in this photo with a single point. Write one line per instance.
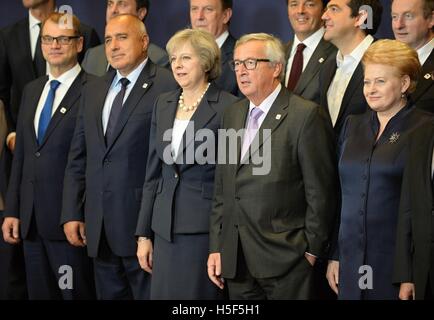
(349, 25)
(414, 255)
(33, 203)
(413, 23)
(95, 61)
(107, 161)
(21, 59)
(308, 52)
(214, 16)
(270, 223)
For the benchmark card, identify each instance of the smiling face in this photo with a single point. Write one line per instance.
(187, 68)
(305, 17)
(383, 87)
(60, 56)
(209, 15)
(126, 43)
(409, 23)
(259, 83)
(339, 24)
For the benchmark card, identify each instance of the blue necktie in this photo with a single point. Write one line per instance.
(116, 110)
(45, 117)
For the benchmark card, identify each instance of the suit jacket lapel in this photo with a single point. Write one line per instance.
(274, 118)
(33, 102)
(134, 97)
(166, 116)
(204, 113)
(227, 49)
(99, 102)
(355, 83)
(426, 80)
(73, 94)
(316, 61)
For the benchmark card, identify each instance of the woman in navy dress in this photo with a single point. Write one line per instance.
(372, 156)
(173, 223)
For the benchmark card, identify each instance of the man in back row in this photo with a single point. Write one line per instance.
(413, 23)
(95, 61)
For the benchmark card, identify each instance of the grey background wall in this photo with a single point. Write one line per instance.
(168, 16)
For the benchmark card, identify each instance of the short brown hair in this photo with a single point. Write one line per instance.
(396, 54)
(56, 18)
(203, 44)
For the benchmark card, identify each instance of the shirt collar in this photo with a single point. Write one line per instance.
(33, 21)
(357, 54)
(67, 77)
(268, 101)
(133, 76)
(310, 42)
(222, 38)
(425, 51)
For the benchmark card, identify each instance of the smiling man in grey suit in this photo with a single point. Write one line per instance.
(308, 51)
(107, 160)
(268, 229)
(95, 60)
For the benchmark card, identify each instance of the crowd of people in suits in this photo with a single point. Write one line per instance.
(100, 170)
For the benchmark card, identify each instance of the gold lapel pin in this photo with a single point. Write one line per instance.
(63, 110)
(278, 116)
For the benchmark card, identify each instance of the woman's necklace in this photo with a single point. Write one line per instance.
(185, 108)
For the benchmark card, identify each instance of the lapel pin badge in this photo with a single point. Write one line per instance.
(321, 60)
(278, 116)
(63, 110)
(427, 76)
(394, 137)
(145, 85)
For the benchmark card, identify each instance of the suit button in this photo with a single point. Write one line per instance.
(176, 176)
(363, 195)
(106, 162)
(432, 212)
(37, 154)
(361, 212)
(365, 177)
(236, 226)
(237, 198)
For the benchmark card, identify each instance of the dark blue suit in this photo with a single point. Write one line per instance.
(103, 183)
(371, 174)
(177, 198)
(35, 195)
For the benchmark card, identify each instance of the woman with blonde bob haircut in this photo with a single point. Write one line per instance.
(173, 223)
(372, 156)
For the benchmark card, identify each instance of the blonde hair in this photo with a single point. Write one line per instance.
(56, 18)
(205, 46)
(395, 54)
(274, 49)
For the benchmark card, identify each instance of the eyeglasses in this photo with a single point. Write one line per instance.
(62, 40)
(249, 64)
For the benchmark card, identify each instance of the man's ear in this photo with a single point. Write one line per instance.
(361, 18)
(227, 14)
(141, 13)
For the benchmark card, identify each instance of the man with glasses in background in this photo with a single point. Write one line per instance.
(34, 198)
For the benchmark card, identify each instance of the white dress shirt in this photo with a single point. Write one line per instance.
(116, 87)
(179, 127)
(311, 43)
(222, 38)
(264, 106)
(346, 65)
(425, 51)
(66, 80)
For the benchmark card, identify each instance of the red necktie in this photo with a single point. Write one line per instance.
(297, 67)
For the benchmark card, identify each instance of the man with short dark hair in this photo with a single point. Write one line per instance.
(308, 51)
(349, 25)
(214, 16)
(413, 24)
(95, 61)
